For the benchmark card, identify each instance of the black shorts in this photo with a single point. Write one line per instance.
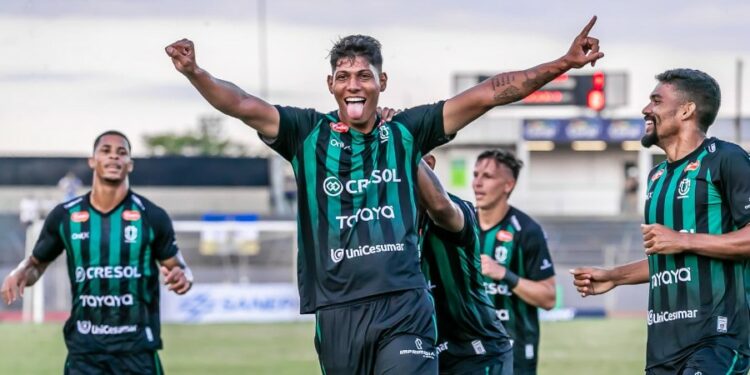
(525, 358)
(706, 360)
(145, 363)
(393, 333)
(495, 364)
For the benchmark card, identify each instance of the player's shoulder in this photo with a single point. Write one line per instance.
(523, 223)
(145, 205)
(724, 149)
(412, 113)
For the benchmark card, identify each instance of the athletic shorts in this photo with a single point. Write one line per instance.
(497, 364)
(141, 363)
(392, 333)
(525, 358)
(706, 360)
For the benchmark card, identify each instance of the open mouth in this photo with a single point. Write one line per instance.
(650, 122)
(355, 106)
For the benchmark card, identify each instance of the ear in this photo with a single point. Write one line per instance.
(383, 81)
(131, 166)
(329, 80)
(509, 186)
(92, 163)
(687, 110)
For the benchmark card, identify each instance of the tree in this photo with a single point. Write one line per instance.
(208, 140)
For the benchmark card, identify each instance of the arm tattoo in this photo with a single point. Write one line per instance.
(536, 79)
(510, 94)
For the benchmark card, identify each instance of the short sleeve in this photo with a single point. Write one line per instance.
(50, 245)
(467, 234)
(294, 126)
(425, 123)
(735, 184)
(537, 260)
(164, 244)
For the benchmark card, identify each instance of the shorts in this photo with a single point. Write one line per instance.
(144, 363)
(498, 364)
(706, 360)
(525, 358)
(392, 333)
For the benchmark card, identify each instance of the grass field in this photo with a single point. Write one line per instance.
(609, 346)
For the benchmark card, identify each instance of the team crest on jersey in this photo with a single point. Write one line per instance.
(80, 216)
(385, 134)
(130, 233)
(684, 188)
(339, 127)
(657, 175)
(501, 254)
(693, 166)
(131, 215)
(504, 236)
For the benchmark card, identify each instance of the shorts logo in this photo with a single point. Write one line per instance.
(529, 348)
(131, 215)
(721, 324)
(337, 255)
(504, 236)
(418, 343)
(80, 216)
(131, 234)
(501, 254)
(503, 315)
(332, 186)
(339, 127)
(478, 347)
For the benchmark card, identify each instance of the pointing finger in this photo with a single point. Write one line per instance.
(587, 28)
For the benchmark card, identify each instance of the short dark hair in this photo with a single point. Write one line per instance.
(699, 88)
(503, 157)
(111, 132)
(357, 45)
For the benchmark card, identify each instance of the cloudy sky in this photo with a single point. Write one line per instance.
(73, 68)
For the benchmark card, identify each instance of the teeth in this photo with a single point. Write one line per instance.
(354, 100)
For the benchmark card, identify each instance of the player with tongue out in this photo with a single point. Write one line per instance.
(358, 260)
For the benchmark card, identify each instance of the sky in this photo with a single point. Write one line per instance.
(71, 69)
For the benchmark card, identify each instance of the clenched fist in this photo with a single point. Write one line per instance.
(182, 53)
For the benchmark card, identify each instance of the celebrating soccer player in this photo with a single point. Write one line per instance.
(471, 338)
(112, 238)
(696, 236)
(516, 263)
(358, 262)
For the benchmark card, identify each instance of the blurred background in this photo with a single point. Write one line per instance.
(75, 68)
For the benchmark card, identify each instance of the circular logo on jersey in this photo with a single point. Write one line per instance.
(337, 255)
(80, 274)
(332, 186)
(684, 187)
(80, 216)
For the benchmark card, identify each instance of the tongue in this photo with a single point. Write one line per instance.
(355, 110)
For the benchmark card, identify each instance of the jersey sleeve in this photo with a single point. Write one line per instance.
(735, 184)
(425, 123)
(50, 244)
(164, 244)
(467, 234)
(294, 125)
(537, 260)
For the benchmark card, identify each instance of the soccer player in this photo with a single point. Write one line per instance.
(471, 338)
(112, 239)
(516, 263)
(358, 263)
(696, 236)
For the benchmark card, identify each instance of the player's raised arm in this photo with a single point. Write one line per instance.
(26, 274)
(224, 96)
(509, 87)
(439, 206)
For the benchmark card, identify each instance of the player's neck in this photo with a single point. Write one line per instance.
(682, 144)
(365, 128)
(489, 217)
(105, 197)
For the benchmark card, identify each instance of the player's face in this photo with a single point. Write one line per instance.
(111, 160)
(492, 183)
(356, 84)
(661, 114)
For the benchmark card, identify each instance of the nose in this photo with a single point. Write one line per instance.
(353, 84)
(647, 109)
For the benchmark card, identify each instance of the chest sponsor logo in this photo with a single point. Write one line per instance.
(337, 255)
(131, 234)
(79, 236)
(108, 301)
(366, 214)
(504, 236)
(546, 264)
(85, 328)
(80, 216)
(419, 351)
(337, 143)
(683, 189)
(332, 186)
(501, 254)
(657, 175)
(495, 289)
(339, 127)
(384, 133)
(694, 166)
(107, 272)
(670, 277)
(131, 215)
(670, 316)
